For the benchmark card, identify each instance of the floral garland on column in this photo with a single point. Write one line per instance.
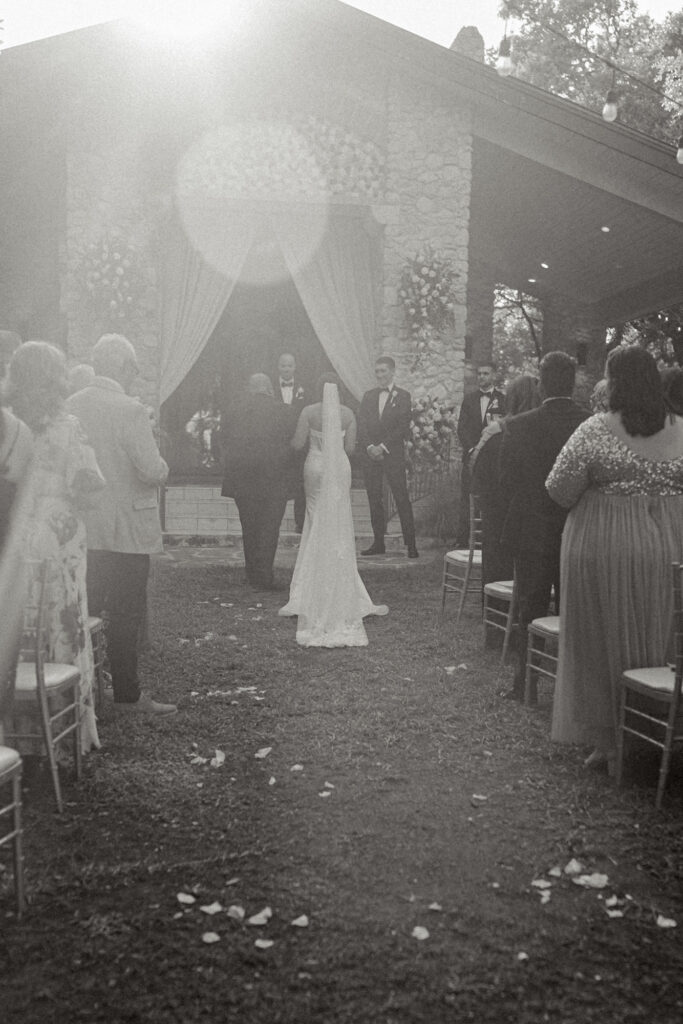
(111, 275)
(427, 295)
(432, 427)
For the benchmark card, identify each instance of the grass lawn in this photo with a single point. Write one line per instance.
(398, 791)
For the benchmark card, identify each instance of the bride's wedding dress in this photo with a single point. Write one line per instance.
(326, 591)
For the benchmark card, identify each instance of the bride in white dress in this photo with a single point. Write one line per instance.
(326, 591)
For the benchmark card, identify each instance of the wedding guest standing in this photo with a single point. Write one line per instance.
(64, 475)
(479, 409)
(532, 532)
(383, 427)
(621, 477)
(123, 525)
(290, 390)
(255, 437)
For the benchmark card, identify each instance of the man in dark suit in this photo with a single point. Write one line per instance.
(532, 531)
(383, 426)
(478, 409)
(290, 390)
(255, 438)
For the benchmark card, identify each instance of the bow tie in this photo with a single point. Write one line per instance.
(486, 394)
(286, 383)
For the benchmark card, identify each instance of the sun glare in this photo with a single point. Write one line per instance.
(179, 22)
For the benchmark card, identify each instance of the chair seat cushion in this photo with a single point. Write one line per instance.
(550, 625)
(56, 676)
(9, 758)
(661, 678)
(501, 589)
(462, 556)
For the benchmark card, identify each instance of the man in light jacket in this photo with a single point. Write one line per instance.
(122, 526)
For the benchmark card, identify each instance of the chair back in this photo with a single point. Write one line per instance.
(34, 643)
(475, 524)
(677, 570)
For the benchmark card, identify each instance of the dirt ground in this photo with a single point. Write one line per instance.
(364, 794)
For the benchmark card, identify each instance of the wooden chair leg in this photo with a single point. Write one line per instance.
(664, 766)
(77, 733)
(619, 764)
(463, 595)
(18, 853)
(528, 669)
(50, 751)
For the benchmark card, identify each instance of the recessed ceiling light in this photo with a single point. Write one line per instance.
(531, 280)
(545, 266)
(604, 228)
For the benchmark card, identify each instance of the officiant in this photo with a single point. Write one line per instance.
(289, 389)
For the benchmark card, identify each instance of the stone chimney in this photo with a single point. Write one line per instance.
(470, 43)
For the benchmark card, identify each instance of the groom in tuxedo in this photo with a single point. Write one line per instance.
(383, 427)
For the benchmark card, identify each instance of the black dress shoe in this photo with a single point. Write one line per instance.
(374, 549)
(413, 553)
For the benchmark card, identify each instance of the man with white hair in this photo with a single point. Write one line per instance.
(255, 437)
(122, 526)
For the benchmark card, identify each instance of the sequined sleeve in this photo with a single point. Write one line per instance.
(570, 476)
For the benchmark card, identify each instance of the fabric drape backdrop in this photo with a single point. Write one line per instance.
(194, 292)
(335, 277)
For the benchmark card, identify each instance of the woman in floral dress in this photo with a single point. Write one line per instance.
(64, 471)
(621, 474)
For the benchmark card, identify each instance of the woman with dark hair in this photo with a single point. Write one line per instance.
(521, 395)
(621, 475)
(63, 473)
(326, 592)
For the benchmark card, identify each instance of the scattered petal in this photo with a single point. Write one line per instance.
(477, 799)
(329, 785)
(297, 768)
(264, 943)
(196, 759)
(419, 933)
(325, 792)
(263, 752)
(541, 883)
(210, 937)
(615, 913)
(449, 669)
(235, 912)
(611, 901)
(545, 896)
(218, 759)
(665, 922)
(178, 914)
(300, 922)
(271, 780)
(211, 908)
(594, 881)
(262, 917)
(522, 957)
(555, 872)
(235, 880)
(461, 665)
(573, 867)
(232, 637)
(434, 906)
(185, 897)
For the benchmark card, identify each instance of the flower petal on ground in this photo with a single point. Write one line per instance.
(329, 785)
(264, 943)
(218, 759)
(185, 897)
(555, 872)
(614, 913)
(235, 912)
(594, 881)
(211, 908)
(522, 957)
(196, 759)
(271, 780)
(325, 792)
(573, 867)
(300, 922)
(235, 880)
(545, 895)
(434, 906)
(210, 937)
(449, 669)
(419, 933)
(665, 922)
(541, 883)
(263, 917)
(477, 799)
(263, 752)
(297, 768)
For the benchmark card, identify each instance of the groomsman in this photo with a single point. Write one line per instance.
(383, 427)
(289, 390)
(478, 409)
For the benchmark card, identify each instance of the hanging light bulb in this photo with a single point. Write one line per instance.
(504, 65)
(679, 151)
(610, 109)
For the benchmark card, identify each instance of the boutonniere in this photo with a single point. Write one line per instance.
(299, 393)
(393, 395)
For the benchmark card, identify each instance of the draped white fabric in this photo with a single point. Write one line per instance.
(195, 290)
(334, 272)
(337, 290)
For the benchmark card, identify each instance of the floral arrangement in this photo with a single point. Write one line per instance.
(111, 274)
(300, 157)
(426, 291)
(432, 427)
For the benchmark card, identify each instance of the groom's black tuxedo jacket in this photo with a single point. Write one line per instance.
(470, 422)
(391, 428)
(255, 438)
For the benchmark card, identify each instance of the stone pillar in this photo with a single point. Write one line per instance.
(479, 326)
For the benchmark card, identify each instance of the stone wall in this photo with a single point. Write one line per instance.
(427, 202)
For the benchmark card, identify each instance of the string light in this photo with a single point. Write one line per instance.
(504, 65)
